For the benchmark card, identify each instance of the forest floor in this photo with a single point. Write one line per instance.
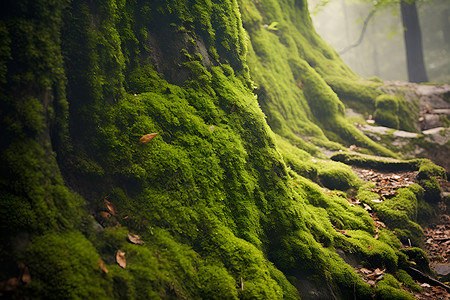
(436, 241)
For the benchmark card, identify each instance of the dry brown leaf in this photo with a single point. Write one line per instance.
(135, 239)
(111, 208)
(380, 224)
(120, 259)
(371, 282)
(102, 266)
(365, 271)
(26, 277)
(147, 138)
(378, 272)
(367, 207)
(211, 128)
(104, 214)
(344, 232)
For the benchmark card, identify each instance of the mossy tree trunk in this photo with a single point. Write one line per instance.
(226, 207)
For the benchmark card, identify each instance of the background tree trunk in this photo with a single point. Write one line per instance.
(413, 43)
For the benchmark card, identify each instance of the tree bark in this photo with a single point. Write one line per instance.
(413, 43)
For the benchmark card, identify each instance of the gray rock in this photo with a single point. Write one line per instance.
(404, 134)
(442, 111)
(431, 121)
(439, 135)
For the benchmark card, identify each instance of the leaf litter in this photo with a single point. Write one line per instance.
(437, 234)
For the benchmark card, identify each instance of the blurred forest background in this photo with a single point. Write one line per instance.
(382, 50)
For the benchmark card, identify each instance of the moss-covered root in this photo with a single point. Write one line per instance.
(386, 112)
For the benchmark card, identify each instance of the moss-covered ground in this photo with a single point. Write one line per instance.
(232, 197)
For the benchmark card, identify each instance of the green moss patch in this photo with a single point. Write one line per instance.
(386, 112)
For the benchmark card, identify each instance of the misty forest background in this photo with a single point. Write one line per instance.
(382, 50)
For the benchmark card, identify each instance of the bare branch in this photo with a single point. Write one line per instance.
(363, 31)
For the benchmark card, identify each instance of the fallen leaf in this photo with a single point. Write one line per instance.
(376, 200)
(380, 224)
(211, 128)
(102, 266)
(378, 272)
(111, 208)
(371, 282)
(344, 232)
(365, 271)
(147, 138)
(367, 207)
(425, 285)
(233, 107)
(120, 259)
(104, 214)
(26, 277)
(135, 239)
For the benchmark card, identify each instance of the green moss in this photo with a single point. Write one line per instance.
(358, 94)
(428, 170)
(338, 176)
(375, 79)
(408, 281)
(386, 112)
(400, 214)
(298, 160)
(445, 121)
(379, 163)
(389, 288)
(432, 190)
(63, 266)
(419, 257)
(374, 252)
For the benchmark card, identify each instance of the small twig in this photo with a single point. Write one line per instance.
(418, 274)
(441, 239)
